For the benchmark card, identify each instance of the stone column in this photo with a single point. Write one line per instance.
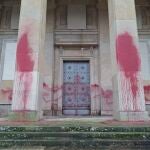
(49, 60)
(129, 103)
(30, 47)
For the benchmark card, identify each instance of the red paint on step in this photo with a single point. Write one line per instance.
(128, 60)
(24, 53)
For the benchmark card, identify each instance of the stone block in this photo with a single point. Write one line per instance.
(131, 116)
(25, 116)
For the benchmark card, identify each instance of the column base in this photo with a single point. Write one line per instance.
(27, 116)
(131, 116)
(59, 113)
(47, 113)
(95, 113)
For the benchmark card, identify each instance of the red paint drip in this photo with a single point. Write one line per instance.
(54, 89)
(25, 64)
(102, 92)
(128, 60)
(27, 81)
(106, 94)
(24, 52)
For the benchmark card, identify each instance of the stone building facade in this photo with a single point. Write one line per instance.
(75, 57)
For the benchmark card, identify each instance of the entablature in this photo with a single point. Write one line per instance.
(76, 37)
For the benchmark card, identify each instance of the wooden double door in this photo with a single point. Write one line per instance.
(76, 88)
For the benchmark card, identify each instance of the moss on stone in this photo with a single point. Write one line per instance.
(79, 136)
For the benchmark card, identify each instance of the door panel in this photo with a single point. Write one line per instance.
(76, 91)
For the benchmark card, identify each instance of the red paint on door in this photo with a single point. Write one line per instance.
(128, 60)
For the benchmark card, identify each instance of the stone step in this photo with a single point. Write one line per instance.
(26, 148)
(75, 148)
(75, 143)
(75, 135)
(72, 129)
(100, 148)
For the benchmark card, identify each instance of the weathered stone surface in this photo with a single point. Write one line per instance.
(74, 137)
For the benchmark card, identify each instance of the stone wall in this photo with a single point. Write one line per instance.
(60, 42)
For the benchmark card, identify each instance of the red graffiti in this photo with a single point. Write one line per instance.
(49, 91)
(7, 93)
(27, 82)
(102, 92)
(107, 94)
(147, 89)
(53, 89)
(25, 65)
(129, 61)
(46, 97)
(24, 53)
(95, 86)
(147, 93)
(96, 92)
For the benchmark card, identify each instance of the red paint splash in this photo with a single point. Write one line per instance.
(147, 93)
(27, 81)
(147, 89)
(94, 87)
(128, 60)
(25, 64)
(24, 53)
(7, 93)
(96, 92)
(53, 89)
(102, 92)
(106, 94)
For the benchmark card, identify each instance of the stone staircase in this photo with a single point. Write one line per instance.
(76, 137)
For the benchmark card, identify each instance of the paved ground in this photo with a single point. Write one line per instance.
(81, 121)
